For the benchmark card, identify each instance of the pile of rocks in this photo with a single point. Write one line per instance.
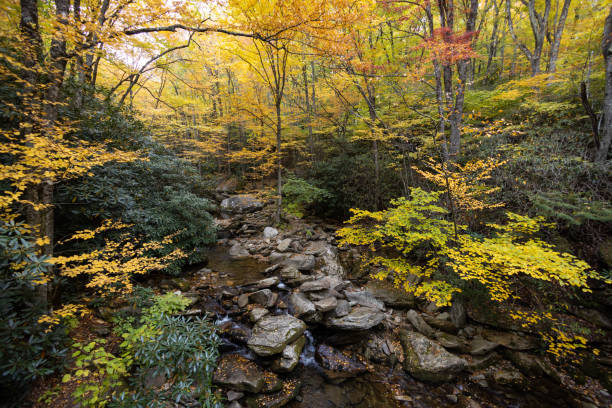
(306, 290)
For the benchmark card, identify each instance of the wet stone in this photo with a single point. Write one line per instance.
(337, 365)
(326, 305)
(364, 298)
(426, 360)
(272, 334)
(239, 374)
(360, 318)
(342, 309)
(290, 356)
(289, 390)
(257, 313)
(303, 308)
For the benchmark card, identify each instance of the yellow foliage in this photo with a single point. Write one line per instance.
(110, 269)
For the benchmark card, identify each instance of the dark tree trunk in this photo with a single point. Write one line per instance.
(606, 135)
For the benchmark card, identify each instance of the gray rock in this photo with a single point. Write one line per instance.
(532, 366)
(272, 334)
(511, 340)
(360, 318)
(283, 246)
(237, 373)
(417, 321)
(426, 360)
(481, 362)
(440, 323)
(271, 269)
(479, 347)
(243, 300)
(264, 297)
(268, 282)
(303, 308)
(324, 294)
(450, 342)
(383, 348)
(243, 203)
(289, 273)
(390, 295)
(314, 286)
(342, 309)
(237, 251)
(289, 390)
(364, 298)
(509, 377)
(257, 313)
(290, 357)
(337, 365)
(326, 305)
(431, 308)
(234, 395)
(457, 314)
(301, 262)
(277, 257)
(269, 232)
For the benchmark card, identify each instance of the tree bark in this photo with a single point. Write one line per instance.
(554, 47)
(539, 25)
(279, 171)
(606, 49)
(462, 74)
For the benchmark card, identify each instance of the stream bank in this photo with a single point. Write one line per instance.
(300, 330)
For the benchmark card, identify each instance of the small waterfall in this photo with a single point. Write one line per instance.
(223, 320)
(307, 358)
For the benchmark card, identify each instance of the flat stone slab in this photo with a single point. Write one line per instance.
(360, 318)
(272, 334)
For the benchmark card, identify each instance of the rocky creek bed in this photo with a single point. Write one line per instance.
(297, 331)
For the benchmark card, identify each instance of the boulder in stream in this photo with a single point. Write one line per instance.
(364, 298)
(360, 318)
(301, 262)
(270, 232)
(289, 390)
(327, 304)
(426, 360)
(272, 334)
(390, 295)
(304, 308)
(284, 245)
(237, 251)
(290, 356)
(257, 313)
(419, 323)
(264, 297)
(337, 365)
(243, 203)
(240, 374)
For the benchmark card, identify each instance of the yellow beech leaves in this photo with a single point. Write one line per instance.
(414, 246)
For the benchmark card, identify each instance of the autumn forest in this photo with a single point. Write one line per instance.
(323, 203)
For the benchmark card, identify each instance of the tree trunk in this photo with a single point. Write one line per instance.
(554, 47)
(606, 48)
(308, 111)
(539, 25)
(462, 74)
(279, 192)
(313, 105)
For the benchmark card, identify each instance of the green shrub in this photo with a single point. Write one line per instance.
(28, 352)
(302, 196)
(161, 196)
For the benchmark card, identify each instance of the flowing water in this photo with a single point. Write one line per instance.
(383, 387)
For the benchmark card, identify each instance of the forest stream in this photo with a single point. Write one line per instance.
(300, 328)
